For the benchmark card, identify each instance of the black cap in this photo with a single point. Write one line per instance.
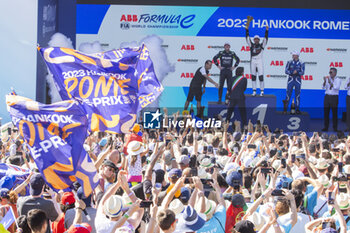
(109, 163)
(245, 226)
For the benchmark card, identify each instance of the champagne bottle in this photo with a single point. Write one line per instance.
(292, 108)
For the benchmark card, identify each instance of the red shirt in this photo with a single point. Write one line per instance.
(58, 227)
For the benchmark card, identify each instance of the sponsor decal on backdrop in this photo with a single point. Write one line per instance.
(306, 50)
(337, 50)
(187, 60)
(170, 21)
(276, 63)
(187, 47)
(307, 77)
(276, 76)
(219, 47)
(336, 64)
(187, 75)
(278, 48)
(313, 63)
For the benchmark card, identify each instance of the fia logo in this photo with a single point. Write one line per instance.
(152, 120)
(125, 25)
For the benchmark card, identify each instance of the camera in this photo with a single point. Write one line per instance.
(277, 193)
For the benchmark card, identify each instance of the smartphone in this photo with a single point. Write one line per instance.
(330, 199)
(9, 131)
(326, 225)
(205, 181)
(283, 162)
(210, 149)
(252, 146)
(277, 193)
(301, 156)
(167, 142)
(194, 171)
(145, 204)
(188, 180)
(340, 166)
(205, 149)
(336, 149)
(265, 170)
(293, 158)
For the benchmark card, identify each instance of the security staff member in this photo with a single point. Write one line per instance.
(237, 97)
(347, 87)
(199, 80)
(256, 56)
(332, 85)
(226, 61)
(294, 69)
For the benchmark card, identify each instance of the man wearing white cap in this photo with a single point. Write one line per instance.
(226, 67)
(256, 57)
(332, 85)
(294, 69)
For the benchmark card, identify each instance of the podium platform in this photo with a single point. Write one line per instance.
(263, 108)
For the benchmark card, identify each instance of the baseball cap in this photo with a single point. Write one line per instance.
(175, 172)
(7, 181)
(4, 193)
(67, 198)
(257, 37)
(80, 228)
(36, 184)
(245, 226)
(103, 142)
(233, 178)
(184, 159)
(237, 136)
(238, 200)
(185, 194)
(109, 163)
(227, 43)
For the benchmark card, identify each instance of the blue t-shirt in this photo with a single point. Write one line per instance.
(217, 223)
(337, 224)
(311, 200)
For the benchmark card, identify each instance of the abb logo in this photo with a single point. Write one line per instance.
(187, 47)
(336, 64)
(187, 75)
(245, 48)
(307, 77)
(307, 50)
(276, 63)
(128, 18)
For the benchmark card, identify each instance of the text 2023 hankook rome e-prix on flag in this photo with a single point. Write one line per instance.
(112, 85)
(55, 134)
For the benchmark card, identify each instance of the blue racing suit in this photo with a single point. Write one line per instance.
(294, 80)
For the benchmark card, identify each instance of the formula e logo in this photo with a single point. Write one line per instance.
(125, 26)
(307, 50)
(336, 64)
(128, 18)
(187, 47)
(187, 75)
(152, 120)
(248, 76)
(245, 48)
(276, 63)
(307, 77)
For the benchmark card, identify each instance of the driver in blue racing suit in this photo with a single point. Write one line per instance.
(294, 69)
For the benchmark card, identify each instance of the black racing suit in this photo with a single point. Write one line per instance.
(226, 62)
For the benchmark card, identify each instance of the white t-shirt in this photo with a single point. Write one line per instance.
(318, 208)
(299, 227)
(105, 225)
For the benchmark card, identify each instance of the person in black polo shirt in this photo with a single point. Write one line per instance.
(236, 96)
(226, 67)
(199, 80)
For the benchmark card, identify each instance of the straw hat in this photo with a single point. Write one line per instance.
(322, 164)
(206, 163)
(210, 207)
(176, 206)
(135, 148)
(343, 201)
(258, 220)
(324, 181)
(113, 206)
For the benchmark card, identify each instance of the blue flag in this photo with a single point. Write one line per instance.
(8, 219)
(113, 86)
(55, 135)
